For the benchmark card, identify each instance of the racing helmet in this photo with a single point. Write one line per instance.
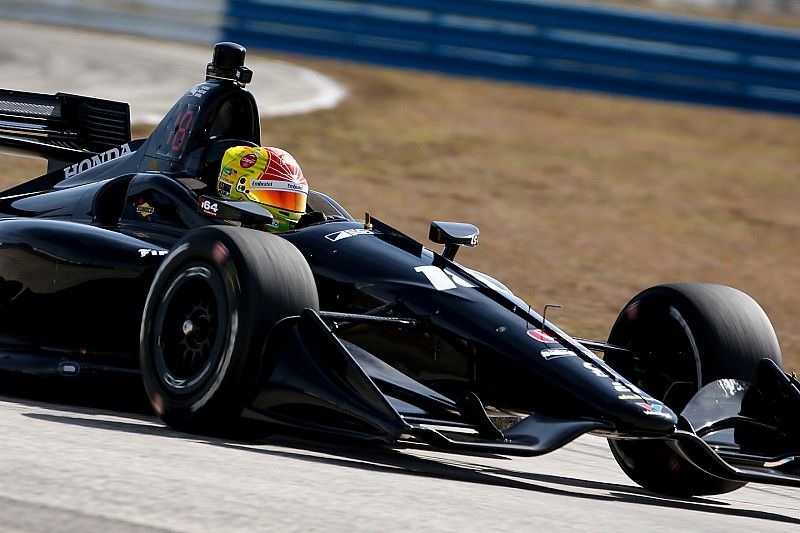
(268, 176)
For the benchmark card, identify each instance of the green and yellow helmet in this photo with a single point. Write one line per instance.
(268, 176)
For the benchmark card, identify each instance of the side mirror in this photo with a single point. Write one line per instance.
(453, 235)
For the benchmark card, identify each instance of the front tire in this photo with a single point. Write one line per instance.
(685, 336)
(210, 307)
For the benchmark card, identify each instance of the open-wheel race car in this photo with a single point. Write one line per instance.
(124, 259)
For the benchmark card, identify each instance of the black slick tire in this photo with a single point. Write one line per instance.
(210, 307)
(686, 336)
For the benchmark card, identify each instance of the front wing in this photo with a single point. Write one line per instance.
(316, 381)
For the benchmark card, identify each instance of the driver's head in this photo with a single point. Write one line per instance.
(268, 176)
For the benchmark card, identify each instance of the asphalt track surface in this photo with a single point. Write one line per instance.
(148, 74)
(70, 465)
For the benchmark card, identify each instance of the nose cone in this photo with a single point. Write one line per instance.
(648, 415)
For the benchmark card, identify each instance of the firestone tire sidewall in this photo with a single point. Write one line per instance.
(226, 389)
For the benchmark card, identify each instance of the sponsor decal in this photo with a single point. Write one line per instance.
(96, 160)
(224, 188)
(248, 160)
(209, 208)
(655, 409)
(144, 252)
(278, 186)
(344, 234)
(199, 90)
(626, 392)
(651, 407)
(442, 280)
(145, 209)
(619, 387)
(557, 352)
(540, 335)
(594, 370)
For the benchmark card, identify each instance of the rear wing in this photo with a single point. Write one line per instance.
(62, 128)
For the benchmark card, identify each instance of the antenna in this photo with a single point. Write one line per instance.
(544, 315)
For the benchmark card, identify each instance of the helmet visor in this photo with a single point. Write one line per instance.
(282, 199)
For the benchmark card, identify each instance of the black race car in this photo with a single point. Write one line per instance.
(122, 259)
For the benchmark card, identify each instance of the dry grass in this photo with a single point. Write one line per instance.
(582, 199)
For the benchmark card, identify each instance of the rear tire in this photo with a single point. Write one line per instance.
(210, 307)
(685, 336)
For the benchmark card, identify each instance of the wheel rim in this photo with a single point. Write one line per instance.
(190, 330)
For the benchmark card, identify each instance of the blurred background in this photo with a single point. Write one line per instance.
(769, 12)
(601, 147)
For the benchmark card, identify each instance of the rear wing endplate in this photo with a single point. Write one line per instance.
(62, 128)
